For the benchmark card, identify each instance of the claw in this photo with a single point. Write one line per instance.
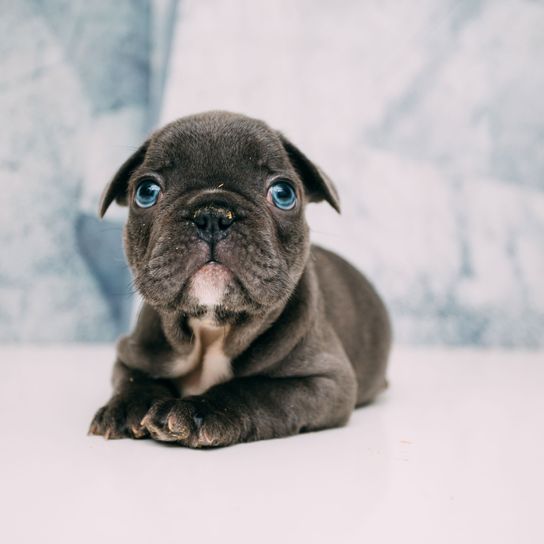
(204, 439)
(94, 427)
(138, 431)
(156, 432)
(180, 432)
(93, 430)
(144, 422)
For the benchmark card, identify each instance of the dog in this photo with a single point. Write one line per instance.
(246, 332)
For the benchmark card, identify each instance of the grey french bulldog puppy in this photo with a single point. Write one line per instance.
(247, 332)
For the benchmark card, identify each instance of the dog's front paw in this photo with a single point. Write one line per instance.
(192, 422)
(121, 418)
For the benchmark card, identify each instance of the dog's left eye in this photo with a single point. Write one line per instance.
(282, 195)
(147, 194)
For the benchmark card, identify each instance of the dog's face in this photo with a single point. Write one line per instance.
(216, 220)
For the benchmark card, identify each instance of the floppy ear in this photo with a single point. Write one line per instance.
(317, 184)
(117, 187)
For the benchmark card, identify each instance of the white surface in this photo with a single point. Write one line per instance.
(453, 452)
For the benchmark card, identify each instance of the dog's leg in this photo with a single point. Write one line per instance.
(253, 408)
(134, 394)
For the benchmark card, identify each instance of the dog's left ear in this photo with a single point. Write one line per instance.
(117, 187)
(317, 184)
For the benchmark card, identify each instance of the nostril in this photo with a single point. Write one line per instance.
(224, 221)
(202, 221)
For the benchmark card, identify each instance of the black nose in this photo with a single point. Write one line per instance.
(213, 223)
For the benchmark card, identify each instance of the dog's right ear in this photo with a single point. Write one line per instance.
(117, 187)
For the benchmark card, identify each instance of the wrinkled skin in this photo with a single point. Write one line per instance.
(306, 336)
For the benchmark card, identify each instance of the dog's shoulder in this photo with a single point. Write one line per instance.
(331, 268)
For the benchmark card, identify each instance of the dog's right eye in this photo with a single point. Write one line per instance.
(147, 193)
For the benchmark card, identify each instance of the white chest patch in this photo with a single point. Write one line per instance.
(207, 364)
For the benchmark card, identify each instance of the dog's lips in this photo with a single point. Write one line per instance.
(214, 272)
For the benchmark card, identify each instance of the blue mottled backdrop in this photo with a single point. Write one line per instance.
(427, 114)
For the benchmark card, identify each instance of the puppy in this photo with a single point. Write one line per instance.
(247, 332)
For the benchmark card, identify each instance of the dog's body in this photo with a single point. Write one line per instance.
(247, 332)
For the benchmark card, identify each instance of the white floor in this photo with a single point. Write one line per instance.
(453, 452)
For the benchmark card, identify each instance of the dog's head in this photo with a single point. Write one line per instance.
(216, 219)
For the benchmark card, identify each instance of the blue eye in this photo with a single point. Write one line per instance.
(147, 194)
(282, 195)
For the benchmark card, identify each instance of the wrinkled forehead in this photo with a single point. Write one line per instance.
(215, 148)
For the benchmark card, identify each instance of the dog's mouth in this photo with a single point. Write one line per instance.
(213, 272)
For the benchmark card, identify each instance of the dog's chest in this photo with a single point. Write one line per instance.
(206, 365)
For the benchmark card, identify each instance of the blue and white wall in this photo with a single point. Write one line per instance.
(428, 115)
